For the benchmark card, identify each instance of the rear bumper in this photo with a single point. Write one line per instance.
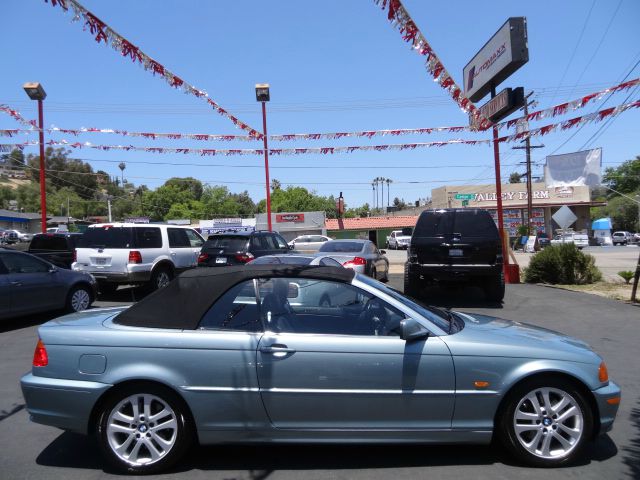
(453, 273)
(607, 410)
(130, 276)
(66, 404)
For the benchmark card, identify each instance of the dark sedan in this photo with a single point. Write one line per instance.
(29, 285)
(360, 255)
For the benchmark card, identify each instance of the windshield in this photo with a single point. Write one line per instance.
(438, 317)
(342, 247)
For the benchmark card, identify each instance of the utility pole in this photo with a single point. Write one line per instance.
(528, 148)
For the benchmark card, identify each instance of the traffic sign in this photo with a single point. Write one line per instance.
(465, 196)
(465, 203)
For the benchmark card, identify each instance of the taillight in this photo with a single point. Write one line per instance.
(203, 258)
(75, 255)
(40, 358)
(354, 262)
(244, 257)
(135, 256)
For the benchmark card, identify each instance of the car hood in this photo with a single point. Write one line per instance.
(490, 336)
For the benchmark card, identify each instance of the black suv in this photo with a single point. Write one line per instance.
(455, 246)
(237, 248)
(57, 248)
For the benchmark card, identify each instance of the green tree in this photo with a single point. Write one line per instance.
(515, 177)
(622, 211)
(299, 199)
(624, 178)
(6, 194)
(193, 185)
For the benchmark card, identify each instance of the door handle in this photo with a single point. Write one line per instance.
(15, 284)
(277, 348)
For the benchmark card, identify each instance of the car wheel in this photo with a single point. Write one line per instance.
(79, 299)
(494, 288)
(143, 430)
(160, 278)
(546, 423)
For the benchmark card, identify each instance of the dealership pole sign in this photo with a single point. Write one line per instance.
(502, 55)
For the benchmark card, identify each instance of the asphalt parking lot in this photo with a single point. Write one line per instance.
(35, 451)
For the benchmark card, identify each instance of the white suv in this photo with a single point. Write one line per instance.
(134, 253)
(621, 238)
(398, 239)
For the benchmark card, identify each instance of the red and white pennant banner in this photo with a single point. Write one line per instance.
(153, 136)
(104, 33)
(399, 17)
(18, 118)
(11, 132)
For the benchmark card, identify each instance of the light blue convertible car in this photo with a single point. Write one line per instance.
(285, 353)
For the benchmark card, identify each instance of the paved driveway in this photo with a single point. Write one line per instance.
(612, 328)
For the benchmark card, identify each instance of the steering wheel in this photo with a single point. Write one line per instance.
(376, 315)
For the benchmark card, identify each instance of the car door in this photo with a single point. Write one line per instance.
(5, 292)
(180, 248)
(34, 285)
(195, 242)
(334, 365)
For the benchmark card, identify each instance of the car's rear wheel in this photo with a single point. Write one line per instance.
(79, 299)
(546, 423)
(160, 278)
(143, 430)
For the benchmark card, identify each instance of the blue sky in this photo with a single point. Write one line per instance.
(332, 65)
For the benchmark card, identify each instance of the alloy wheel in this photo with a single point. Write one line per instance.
(142, 429)
(80, 300)
(548, 423)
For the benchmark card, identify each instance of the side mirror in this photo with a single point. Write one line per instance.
(411, 330)
(291, 247)
(53, 269)
(383, 252)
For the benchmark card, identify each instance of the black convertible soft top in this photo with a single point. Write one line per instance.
(185, 300)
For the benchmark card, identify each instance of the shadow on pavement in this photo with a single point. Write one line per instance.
(462, 296)
(72, 450)
(125, 293)
(632, 453)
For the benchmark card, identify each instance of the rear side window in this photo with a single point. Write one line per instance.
(235, 243)
(476, 223)
(178, 238)
(269, 242)
(48, 243)
(434, 224)
(147, 237)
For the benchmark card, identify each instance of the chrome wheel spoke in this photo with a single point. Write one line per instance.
(567, 414)
(545, 449)
(121, 450)
(153, 450)
(169, 424)
(116, 427)
(558, 407)
(532, 397)
(566, 444)
(520, 415)
(521, 428)
(160, 440)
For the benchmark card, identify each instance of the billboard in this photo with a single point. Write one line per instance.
(502, 55)
(574, 169)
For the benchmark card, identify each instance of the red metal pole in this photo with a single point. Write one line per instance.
(43, 189)
(496, 157)
(266, 162)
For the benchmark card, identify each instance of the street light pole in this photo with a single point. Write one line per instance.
(36, 92)
(262, 96)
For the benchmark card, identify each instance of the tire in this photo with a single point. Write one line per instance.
(548, 435)
(160, 278)
(411, 287)
(79, 298)
(129, 444)
(494, 288)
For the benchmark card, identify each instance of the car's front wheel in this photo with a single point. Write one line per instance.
(546, 423)
(143, 430)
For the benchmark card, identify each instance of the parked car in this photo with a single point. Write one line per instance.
(29, 284)
(360, 255)
(308, 243)
(238, 248)
(398, 239)
(257, 359)
(621, 238)
(135, 254)
(57, 248)
(23, 236)
(296, 259)
(580, 240)
(8, 236)
(455, 247)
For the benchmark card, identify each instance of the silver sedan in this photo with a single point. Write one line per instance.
(362, 256)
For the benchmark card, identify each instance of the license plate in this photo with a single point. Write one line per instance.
(455, 252)
(101, 261)
(221, 259)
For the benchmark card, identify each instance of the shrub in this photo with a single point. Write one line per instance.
(626, 275)
(563, 264)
